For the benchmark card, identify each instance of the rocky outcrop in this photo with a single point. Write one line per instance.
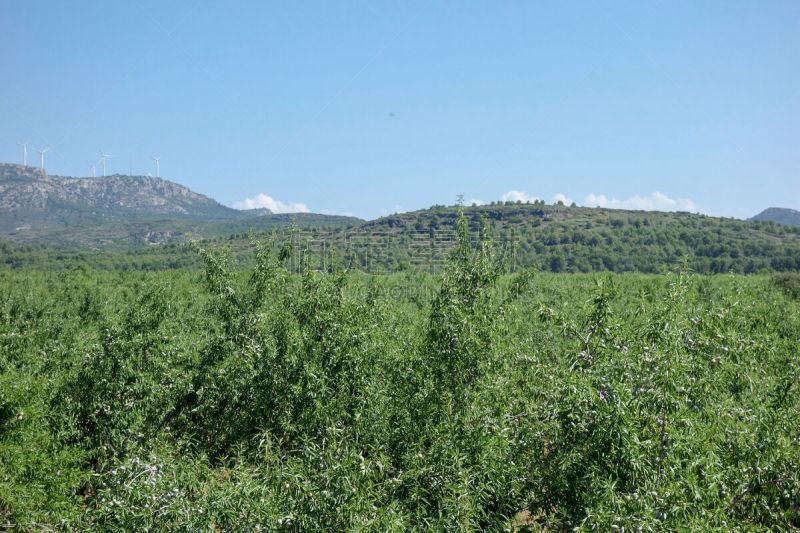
(30, 198)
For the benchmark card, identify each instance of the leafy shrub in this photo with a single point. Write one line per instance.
(789, 282)
(267, 399)
(111, 397)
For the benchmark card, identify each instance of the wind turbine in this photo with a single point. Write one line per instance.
(25, 152)
(93, 167)
(156, 160)
(41, 153)
(103, 157)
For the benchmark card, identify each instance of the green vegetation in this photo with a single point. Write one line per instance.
(789, 282)
(580, 239)
(61, 223)
(124, 235)
(471, 400)
(549, 238)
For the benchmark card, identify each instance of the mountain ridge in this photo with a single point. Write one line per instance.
(97, 214)
(32, 199)
(121, 212)
(781, 215)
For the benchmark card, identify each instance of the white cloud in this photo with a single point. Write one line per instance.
(396, 210)
(276, 206)
(514, 196)
(563, 199)
(655, 202)
(340, 214)
(475, 201)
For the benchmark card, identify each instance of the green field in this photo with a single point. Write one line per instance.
(466, 400)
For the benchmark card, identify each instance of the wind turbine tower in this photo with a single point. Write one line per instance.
(103, 157)
(41, 154)
(24, 152)
(156, 160)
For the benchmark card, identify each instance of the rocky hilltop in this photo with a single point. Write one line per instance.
(32, 199)
(781, 215)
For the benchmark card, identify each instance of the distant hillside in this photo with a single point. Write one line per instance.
(552, 238)
(780, 215)
(30, 199)
(123, 235)
(582, 239)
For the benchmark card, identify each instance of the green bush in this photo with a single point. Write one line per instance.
(469, 401)
(789, 282)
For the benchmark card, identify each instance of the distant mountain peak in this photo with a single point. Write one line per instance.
(781, 215)
(32, 199)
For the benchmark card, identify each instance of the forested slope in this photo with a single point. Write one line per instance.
(551, 238)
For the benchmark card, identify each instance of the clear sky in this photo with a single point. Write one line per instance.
(367, 107)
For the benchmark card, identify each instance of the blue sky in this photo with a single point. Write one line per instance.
(366, 107)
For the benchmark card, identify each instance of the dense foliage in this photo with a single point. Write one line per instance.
(549, 238)
(469, 400)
